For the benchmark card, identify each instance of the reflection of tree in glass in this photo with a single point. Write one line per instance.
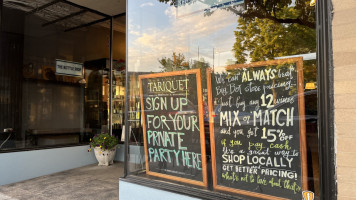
(203, 66)
(263, 39)
(176, 63)
(280, 11)
(270, 29)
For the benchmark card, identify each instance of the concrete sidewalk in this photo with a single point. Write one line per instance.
(90, 182)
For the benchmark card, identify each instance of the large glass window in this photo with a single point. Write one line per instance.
(250, 128)
(54, 74)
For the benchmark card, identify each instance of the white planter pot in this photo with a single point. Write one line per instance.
(105, 157)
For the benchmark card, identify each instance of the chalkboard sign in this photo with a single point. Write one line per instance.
(257, 127)
(173, 126)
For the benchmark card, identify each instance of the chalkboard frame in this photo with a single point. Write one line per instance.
(197, 72)
(302, 126)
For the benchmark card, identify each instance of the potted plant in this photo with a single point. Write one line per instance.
(104, 148)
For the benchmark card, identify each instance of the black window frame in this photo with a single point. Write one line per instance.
(327, 163)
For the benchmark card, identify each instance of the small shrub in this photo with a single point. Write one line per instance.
(104, 141)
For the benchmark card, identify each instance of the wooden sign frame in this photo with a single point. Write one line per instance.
(302, 127)
(197, 72)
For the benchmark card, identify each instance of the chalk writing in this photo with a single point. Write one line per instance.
(172, 126)
(256, 128)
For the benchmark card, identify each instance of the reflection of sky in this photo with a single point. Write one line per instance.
(156, 32)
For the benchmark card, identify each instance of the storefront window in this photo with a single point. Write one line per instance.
(222, 95)
(54, 72)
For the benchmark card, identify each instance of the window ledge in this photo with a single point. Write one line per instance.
(179, 189)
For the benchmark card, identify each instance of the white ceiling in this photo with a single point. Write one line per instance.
(109, 7)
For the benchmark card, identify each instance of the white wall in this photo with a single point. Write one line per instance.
(19, 166)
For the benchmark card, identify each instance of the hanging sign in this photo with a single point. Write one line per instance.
(68, 68)
(257, 129)
(173, 126)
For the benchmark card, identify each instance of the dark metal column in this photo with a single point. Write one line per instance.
(327, 162)
(1, 3)
(110, 75)
(1, 18)
(127, 102)
(1, 66)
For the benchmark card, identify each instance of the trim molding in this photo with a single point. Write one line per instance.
(41, 148)
(179, 189)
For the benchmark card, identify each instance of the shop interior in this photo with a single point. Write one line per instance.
(41, 107)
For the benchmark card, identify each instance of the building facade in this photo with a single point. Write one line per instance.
(343, 62)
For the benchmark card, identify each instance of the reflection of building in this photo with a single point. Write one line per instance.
(97, 95)
(258, 35)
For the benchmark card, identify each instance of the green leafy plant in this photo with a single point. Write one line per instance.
(104, 141)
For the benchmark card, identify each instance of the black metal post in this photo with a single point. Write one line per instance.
(1, 14)
(1, 27)
(327, 171)
(110, 74)
(127, 102)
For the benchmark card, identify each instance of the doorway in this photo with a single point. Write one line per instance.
(62, 71)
